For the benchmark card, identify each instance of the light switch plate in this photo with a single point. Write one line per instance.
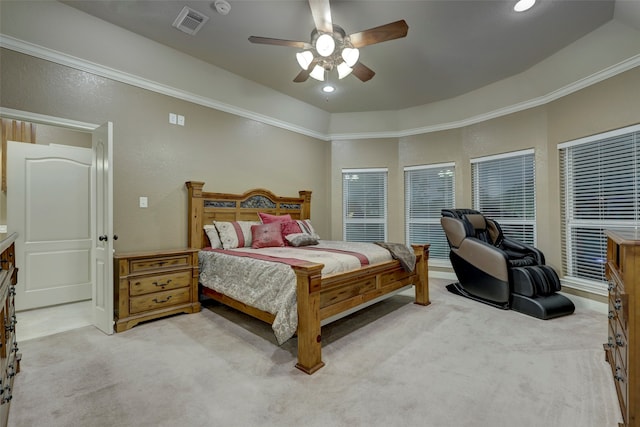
(144, 202)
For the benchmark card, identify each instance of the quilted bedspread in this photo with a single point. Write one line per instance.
(270, 285)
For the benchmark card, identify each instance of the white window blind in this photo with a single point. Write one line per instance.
(600, 190)
(428, 190)
(364, 193)
(503, 189)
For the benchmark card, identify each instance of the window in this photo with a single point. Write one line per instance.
(364, 193)
(428, 190)
(503, 189)
(600, 189)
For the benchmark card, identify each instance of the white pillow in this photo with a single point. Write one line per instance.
(214, 238)
(236, 234)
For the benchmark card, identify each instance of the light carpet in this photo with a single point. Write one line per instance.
(453, 363)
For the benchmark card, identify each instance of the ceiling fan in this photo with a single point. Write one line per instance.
(331, 48)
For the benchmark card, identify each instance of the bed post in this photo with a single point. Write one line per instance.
(422, 270)
(196, 209)
(309, 281)
(306, 205)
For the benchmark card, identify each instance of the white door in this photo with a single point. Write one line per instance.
(49, 204)
(103, 232)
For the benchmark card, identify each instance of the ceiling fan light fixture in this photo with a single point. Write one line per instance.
(328, 89)
(343, 70)
(523, 5)
(350, 56)
(304, 59)
(325, 45)
(317, 73)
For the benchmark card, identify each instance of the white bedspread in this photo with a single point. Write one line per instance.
(271, 286)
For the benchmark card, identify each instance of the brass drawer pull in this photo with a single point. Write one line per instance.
(161, 301)
(162, 284)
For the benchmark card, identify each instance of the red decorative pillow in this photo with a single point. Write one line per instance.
(266, 235)
(266, 218)
(290, 227)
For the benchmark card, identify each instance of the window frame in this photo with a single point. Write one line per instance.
(569, 222)
(347, 220)
(434, 259)
(506, 223)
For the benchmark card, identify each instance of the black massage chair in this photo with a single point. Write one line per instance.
(499, 271)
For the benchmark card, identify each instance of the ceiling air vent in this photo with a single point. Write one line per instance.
(190, 21)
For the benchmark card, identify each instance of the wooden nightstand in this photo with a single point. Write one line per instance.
(150, 285)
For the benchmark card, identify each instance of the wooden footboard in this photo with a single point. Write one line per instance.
(322, 297)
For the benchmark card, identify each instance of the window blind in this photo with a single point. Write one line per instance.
(503, 189)
(428, 190)
(600, 190)
(364, 193)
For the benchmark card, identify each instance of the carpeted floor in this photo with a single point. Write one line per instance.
(455, 363)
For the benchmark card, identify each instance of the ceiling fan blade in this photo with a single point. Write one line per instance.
(321, 12)
(394, 30)
(279, 42)
(304, 74)
(363, 72)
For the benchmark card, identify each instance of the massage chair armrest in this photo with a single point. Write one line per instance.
(523, 248)
(493, 261)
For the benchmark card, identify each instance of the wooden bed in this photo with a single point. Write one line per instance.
(318, 298)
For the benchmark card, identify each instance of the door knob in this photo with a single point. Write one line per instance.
(103, 238)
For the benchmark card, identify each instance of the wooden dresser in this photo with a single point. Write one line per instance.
(150, 285)
(9, 356)
(623, 346)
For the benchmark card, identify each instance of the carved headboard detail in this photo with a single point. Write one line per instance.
(205, 207)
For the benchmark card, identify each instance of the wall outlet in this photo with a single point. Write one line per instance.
(173, 118)
(180, 120)
(144, 202)
(3, 228)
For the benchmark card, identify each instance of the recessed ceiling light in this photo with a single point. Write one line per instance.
(328, 89)
(523, 5)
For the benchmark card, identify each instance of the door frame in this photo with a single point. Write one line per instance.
(69, 124)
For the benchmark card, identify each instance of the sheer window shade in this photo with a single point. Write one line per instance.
(428, 190)
(600, 190)
(503, 189)
(364, 193)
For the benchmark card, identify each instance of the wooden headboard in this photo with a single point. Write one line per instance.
(205, 207)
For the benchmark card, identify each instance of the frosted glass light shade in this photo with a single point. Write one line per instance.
(350, 56)
(304, 59)
(343, 70)
(325, 45)
(523, 5)
(318, 73)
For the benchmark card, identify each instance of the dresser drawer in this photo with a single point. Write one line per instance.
(159, 282)
(621, 379)
(159, 300)
(141, 265)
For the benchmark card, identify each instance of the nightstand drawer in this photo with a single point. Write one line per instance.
(154, 263)
(159, 300)
(148, 284)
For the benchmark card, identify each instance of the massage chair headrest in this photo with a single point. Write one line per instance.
(472, 224)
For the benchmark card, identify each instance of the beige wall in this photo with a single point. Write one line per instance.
(153, 158)
(607, 105)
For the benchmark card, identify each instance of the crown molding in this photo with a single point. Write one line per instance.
(585, 82)
(120, 76)
(61, 58)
